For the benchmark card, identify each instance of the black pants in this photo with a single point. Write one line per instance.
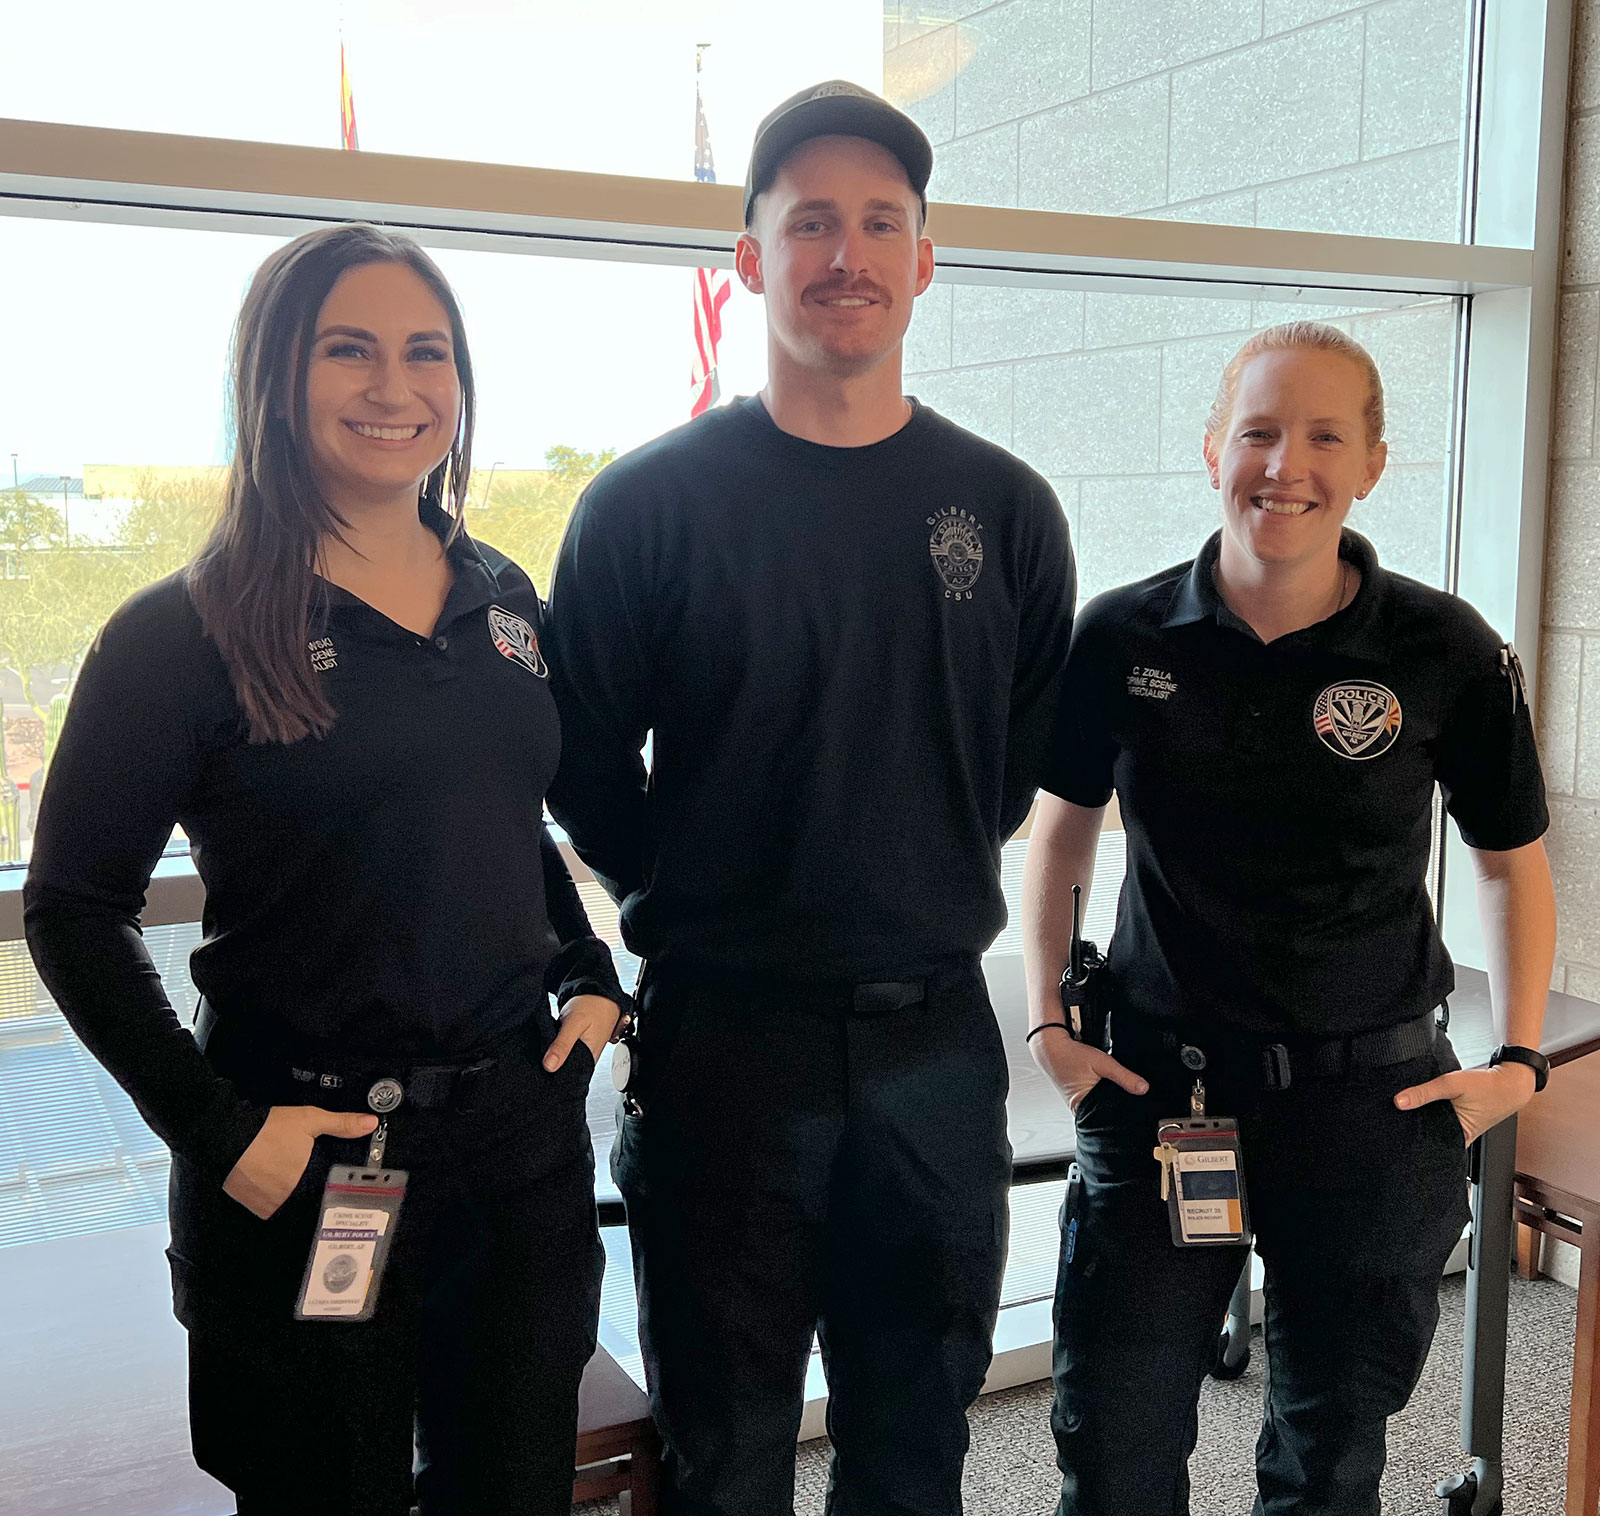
(1356, 1207)
(799, 1169)
(486, 1317)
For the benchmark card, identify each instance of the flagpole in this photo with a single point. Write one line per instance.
(711, 286)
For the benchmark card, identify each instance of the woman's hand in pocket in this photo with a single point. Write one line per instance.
(270, 1168)
(590, 1017)
(1075, 1068)
(1482, 1097)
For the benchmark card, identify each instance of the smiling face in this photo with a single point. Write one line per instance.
(1293, 455)
(383, 397)
(836, 247)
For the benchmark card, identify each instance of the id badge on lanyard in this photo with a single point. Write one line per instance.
(1202, 1177)
(358, 1213)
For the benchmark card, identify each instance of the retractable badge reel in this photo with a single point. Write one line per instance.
(625, 1066)
(1202, 1170)
(359, 1211)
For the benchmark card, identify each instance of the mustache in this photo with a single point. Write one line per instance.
(862, 287)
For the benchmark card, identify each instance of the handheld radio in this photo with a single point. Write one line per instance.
(1086, 1021)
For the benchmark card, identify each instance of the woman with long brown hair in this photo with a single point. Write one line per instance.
(382, 1185)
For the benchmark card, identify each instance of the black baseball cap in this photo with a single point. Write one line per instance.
(837, 108)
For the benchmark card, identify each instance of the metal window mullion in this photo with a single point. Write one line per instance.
(95, 173)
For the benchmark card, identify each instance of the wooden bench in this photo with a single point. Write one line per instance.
(1558, 1195)
(618, 1449)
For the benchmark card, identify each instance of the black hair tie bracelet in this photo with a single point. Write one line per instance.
(1045, 1026)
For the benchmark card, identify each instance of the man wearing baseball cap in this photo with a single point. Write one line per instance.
(842, 618)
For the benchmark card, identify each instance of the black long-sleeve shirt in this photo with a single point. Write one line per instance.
(848, 659)
(387, 889)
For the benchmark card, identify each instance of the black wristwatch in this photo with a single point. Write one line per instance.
(1509, 1053)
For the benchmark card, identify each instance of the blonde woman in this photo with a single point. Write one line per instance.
(1274, 717)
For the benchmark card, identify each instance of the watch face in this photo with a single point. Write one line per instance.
(621, 1066)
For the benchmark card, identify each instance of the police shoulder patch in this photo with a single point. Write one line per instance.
(1357, 719)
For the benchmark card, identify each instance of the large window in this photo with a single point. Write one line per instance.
(1287, 130)
(1326, 115)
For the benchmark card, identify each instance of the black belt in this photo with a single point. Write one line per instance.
(1275, 1065)
(321, 1078)
(874, 997)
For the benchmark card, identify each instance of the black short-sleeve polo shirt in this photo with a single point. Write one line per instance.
(1278, 797)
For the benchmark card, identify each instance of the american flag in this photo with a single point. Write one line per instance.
(711, 287)
(347, 106)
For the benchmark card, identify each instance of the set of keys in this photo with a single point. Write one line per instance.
(1166, 1154)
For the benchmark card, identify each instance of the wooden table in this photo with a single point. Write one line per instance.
(1571, 1031)
(1558, 1194)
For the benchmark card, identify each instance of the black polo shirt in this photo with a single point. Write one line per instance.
(387, 889)
(1278, 796)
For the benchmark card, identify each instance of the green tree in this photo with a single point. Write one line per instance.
(27, 522)
(54, 597)
(525, 518)
(170, 520)
(52, 600)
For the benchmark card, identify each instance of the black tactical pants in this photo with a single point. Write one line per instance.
(1356, 1207)
(804, 1163)
(486, 1317)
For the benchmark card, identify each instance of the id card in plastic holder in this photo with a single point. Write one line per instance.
(357, 1218)
(1202, 1180)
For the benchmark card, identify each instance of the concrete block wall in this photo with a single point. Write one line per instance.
(1337, 115)
(1569, 672)
(1317, 114)
(1107, 394)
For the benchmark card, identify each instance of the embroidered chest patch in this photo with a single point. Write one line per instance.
(1148, 683)
(956, 547)
(1357, 720)
(516, 640)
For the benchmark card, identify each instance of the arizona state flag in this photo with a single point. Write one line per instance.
(347, 107)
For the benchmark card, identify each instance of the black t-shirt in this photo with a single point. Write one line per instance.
(1278, 797)
(387, 889)
(848, 658)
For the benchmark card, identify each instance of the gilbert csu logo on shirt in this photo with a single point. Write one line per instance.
(516, 640)
(1357, 720)
(957, 550)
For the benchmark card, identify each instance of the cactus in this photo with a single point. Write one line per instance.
(54, 716)
(10, 821)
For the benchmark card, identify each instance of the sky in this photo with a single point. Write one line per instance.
(118, 334)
